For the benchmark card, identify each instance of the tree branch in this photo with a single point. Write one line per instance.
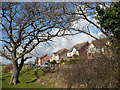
(5, 56)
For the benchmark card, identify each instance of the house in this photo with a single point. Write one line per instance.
(59, 55)
(78, 49)
(97, 47)
(50, 59)
(42, 59)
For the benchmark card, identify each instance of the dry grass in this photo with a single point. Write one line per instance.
(53, 80)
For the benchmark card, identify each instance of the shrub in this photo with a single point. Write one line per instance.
(96, 73)
(64, 63)
(48, 61)
(53, 62)
(61, 61)
(75, 56)
(45, 70)
(74, 60)
(7, 69)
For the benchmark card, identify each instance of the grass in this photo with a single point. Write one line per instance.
(36, 78)
(28, 78)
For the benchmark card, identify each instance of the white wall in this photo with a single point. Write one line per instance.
(74, 51)
(57, 57)
(91, 49)
(39, 61)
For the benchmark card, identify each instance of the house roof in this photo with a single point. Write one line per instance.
(60, 51)
(78, 46)
(44, 56)
(99, 43)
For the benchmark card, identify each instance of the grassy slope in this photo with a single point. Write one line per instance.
(42, 79)
(28, 79)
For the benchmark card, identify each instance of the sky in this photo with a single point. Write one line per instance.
(65, 42)
(61, 42)
(57, 44)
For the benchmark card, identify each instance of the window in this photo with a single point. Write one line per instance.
(53, 57)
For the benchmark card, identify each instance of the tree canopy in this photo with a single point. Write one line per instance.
(109, 20)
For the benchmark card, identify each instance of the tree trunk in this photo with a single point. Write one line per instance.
(54, 66)
(16, 72)
(15, 76)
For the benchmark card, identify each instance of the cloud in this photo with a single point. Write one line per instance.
(58, 43)
(61, 42)
(80, 24)
(4, 61)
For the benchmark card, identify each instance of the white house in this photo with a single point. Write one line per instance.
(72, 52)
(97, 47)
(78, 49)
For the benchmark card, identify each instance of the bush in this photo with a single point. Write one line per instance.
(45, 70)
(75, 56)
(7, 69)
(61, 61)
(96, 73)
(74, 60)
(65, 63)
(53, 62)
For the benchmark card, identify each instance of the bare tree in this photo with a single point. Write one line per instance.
(24, 26)
(83, 11)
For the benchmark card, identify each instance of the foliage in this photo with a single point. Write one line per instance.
(7, 69)
(109, 20)
(65, 63)
(74, 60)
(61, 61)
(48, 61)
(54, 62)
(95, 74)
(75, 56)
(45, 70)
